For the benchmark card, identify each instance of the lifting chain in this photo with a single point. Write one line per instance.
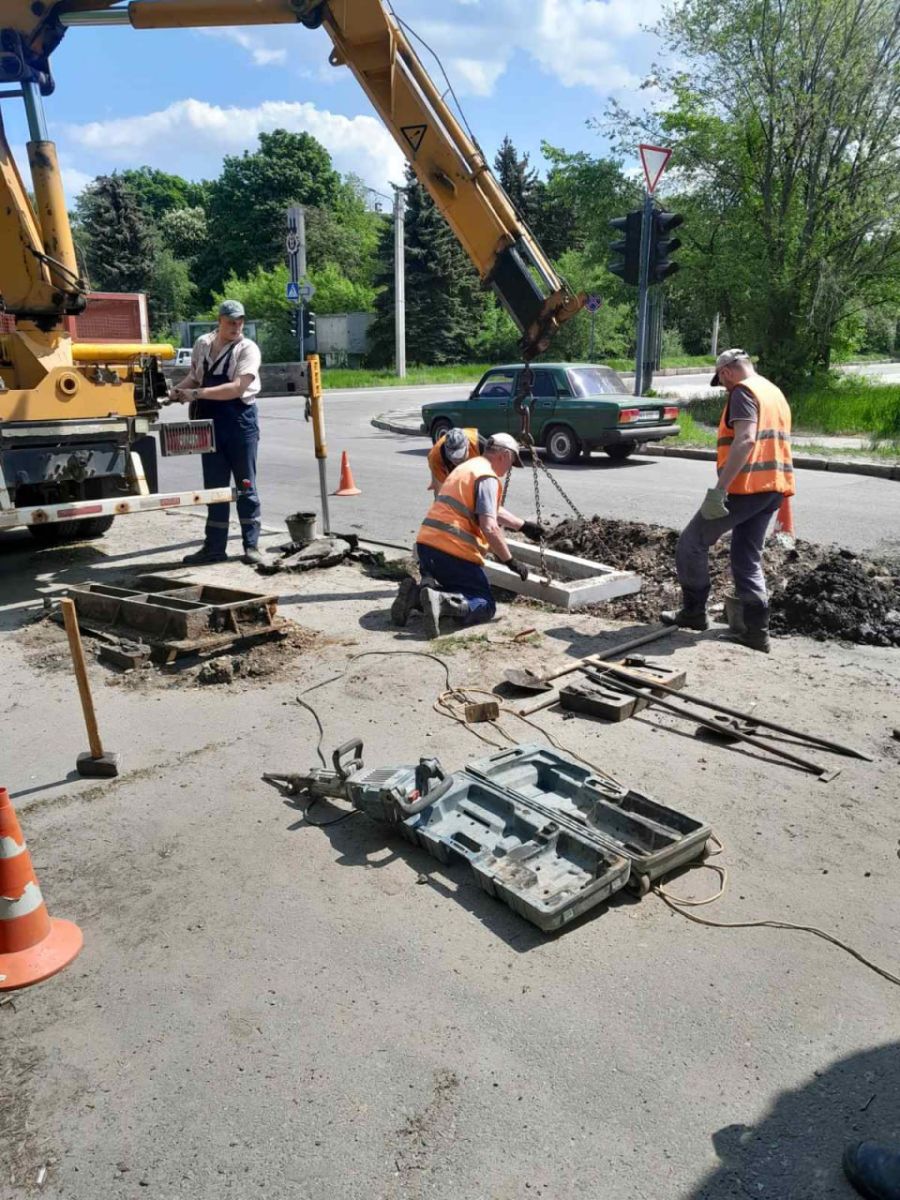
(524, 404)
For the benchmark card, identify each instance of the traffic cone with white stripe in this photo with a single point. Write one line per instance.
(33, 945)
(347, 485)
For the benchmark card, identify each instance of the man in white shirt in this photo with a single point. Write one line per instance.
(222, 386)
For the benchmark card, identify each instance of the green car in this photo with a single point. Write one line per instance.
(577, 408)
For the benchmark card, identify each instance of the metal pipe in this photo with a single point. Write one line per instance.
(11, 95)
(400, 281)
(101, 352)
(53, 214)
(187, 14)
(34, 111)
(102, 16)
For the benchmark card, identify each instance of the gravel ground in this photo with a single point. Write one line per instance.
(265, 1008)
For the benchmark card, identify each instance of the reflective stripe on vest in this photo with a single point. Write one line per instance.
(770, 466)
(436, 463)
(451, 524)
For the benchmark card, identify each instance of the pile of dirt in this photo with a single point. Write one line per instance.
(818, 591)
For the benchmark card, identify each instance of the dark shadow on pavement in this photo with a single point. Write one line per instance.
(794, 1151)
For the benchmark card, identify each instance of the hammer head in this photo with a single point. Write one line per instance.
(104, 767)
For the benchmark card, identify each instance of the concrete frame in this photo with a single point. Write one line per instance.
(583, 582)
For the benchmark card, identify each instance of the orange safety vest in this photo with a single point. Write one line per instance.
(439, 468)
(770, 467)
(451, 524)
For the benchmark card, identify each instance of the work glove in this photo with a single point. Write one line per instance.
(534, 531)
(713, 506)
(520, 569)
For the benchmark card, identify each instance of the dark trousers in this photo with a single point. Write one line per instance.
(465, 578)
(748, 519)
(237, 440)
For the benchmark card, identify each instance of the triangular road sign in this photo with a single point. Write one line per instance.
(654, 160)
(414, 135)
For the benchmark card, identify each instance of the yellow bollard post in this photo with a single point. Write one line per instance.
(318, 422)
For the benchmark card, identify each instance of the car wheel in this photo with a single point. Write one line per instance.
(54, 533)
(439, 428)
(562, 445)
(620, 452)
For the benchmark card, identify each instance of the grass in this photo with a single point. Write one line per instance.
(695, 435)
(340, 377)
(835, 407)
(682, 360)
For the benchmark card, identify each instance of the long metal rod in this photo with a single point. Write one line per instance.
(646, 692)
(100, 16)
(643, 296)
(323, 490)
(34, 111)
(825, 743)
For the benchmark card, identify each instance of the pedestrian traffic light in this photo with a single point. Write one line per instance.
(309, 327)
(629, 247)
(662, 245)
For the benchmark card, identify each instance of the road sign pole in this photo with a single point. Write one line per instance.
(643, 295)
(593, 324)
(400, 281)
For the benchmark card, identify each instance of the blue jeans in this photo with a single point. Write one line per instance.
(748, 519)
(237, 440)
(457, 575)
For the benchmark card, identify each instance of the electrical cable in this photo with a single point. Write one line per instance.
(680, 905)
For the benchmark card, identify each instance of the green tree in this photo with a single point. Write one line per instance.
(184, 231)
(118, 243)
(170, 293)
(160, 193)
(519, 180)
(444, 304)
(786, 120)
(247, 203)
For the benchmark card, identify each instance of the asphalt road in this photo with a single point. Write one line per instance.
(853, 511)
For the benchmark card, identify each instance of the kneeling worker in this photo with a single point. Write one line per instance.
(755, 474)
(461, 526)
(450, 450)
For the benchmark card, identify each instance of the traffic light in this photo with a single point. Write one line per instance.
(294, 321)
(629, 247)
(662, 245)
(309, 327)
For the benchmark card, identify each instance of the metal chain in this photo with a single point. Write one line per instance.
(559, 487)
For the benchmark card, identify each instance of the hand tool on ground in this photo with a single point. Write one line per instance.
(826, 774)
(529, 681)
(96, 763)
(753, 718)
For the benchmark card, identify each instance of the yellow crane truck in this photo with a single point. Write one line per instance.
(75, 419)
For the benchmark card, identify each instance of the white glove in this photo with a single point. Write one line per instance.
(713, 506)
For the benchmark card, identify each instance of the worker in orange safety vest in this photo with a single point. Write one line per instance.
(755, 480)
(451, 449)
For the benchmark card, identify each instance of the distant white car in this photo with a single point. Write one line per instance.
(182, 358)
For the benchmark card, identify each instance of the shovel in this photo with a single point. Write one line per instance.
(529, 681)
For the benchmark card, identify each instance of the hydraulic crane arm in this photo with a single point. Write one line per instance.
(370, 41)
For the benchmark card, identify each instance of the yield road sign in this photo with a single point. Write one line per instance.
(293, 291)
(307, 291)
(654, 160)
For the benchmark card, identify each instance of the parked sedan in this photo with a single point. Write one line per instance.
(577, 408)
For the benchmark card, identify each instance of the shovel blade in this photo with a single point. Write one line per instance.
(527, 680)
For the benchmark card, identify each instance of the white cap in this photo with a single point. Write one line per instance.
(504, 441)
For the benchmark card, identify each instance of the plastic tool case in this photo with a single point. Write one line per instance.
(549, 838)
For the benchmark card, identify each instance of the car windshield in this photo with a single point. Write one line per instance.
(596, 381)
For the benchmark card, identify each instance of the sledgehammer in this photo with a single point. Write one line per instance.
(94, 763)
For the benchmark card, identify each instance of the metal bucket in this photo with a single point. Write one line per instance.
(302, 527)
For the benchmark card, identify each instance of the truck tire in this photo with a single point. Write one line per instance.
(561, 444)
(439, 428)
(56, 533)
(620, 451)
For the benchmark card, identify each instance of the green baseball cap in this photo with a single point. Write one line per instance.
(231, 308)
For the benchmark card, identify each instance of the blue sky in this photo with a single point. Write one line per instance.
(180, 100)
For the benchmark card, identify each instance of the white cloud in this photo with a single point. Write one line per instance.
(191, 136)
(261, 54)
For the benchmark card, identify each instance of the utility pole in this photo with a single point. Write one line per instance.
(714, 341)
(400, 280)
(643, 294)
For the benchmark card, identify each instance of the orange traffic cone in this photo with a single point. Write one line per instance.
(348, 487)
(33, 945)
(784, 520)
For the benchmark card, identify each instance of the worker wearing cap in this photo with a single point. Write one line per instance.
(449, 451)
(222, 386)
(755, 475)
(462, 525)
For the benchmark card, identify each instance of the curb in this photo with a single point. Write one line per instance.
(393, 422)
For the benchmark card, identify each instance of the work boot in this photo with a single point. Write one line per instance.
(253, 557)
(756, 628)
(686, 618)
(873, 1170)
(406, 601)
(205, 555)
(430, 599)
(454, 605)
